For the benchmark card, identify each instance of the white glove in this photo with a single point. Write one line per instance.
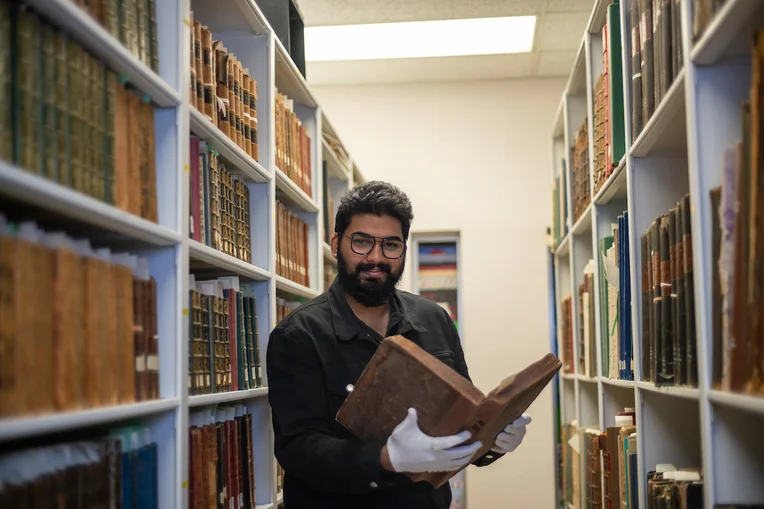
(512, 436)
(410, 450)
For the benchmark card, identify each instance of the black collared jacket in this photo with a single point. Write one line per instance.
(313, 357)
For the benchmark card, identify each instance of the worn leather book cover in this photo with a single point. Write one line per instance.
(401, 375)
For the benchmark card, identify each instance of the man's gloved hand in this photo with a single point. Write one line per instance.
(410, 450)
(512, 436)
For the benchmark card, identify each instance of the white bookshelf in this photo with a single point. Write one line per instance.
(172, 255)
(680, 150)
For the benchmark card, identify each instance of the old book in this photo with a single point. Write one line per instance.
(402, 375)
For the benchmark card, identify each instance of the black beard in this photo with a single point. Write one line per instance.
(369, 292)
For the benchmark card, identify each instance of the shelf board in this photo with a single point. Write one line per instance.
(587, 379)
(285, 285)
(614, 187)
(226, 397)
(584, 223)
(666, 129)
(568, 376)
(25, 427)
(334, 166)
(212, 258)
(617, 383)
(51, 197)
(280, 498)
(328, 254)
(289, 81)
(81, 27)
(727, 26)
(564, 247)
(237, 161)
(291, 194)
(747, 402)
(680, 392)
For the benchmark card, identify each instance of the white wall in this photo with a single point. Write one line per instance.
(475, 157)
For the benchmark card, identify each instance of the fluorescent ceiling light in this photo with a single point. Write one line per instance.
(419, 39)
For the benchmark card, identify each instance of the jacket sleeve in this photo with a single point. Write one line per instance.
(461, 367)
(304, 445)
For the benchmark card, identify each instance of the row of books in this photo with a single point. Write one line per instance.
(291, 246)
(224, 342)
(669, 350)
(284, 307)
(581, 180)
(219, 204)
(92, 314)
(615, 301)
(69, 118)
(737, 207)
(560, 204)
(704, 12)
(609, 139)
(566, 335)
(328, 208)
(293, 145)
(221, 458)
(279, 477)
(132, 22)
(118, 469)
(222, 89)
(330, 273)
(656, 56)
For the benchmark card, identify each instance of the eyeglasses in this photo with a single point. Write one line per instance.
(363, 244)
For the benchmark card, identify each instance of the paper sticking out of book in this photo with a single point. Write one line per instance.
(401, 375)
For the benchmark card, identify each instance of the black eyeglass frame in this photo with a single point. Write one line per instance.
(381, 241)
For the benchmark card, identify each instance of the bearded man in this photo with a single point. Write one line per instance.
(317, 353)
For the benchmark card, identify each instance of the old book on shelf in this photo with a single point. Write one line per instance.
(401, 375)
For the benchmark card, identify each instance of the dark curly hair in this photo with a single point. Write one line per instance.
(375, 197)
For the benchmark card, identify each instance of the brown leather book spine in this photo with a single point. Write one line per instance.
(246, 123)
(231, 104)
(253, 118)
(139, 338)
(198, 65)
(680, 339)
(151, 176)
(91, 346)
(152, 339)
(67, 378)
(208, 76)
(123, 282)
(221, 81)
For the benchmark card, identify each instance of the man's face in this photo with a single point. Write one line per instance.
(369, 278)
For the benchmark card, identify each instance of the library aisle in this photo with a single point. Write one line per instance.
(656, 245)
(166, 178)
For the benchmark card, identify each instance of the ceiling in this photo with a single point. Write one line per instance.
(559, 30)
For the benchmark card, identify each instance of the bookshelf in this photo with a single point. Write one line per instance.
(605, 325)
(168, 244)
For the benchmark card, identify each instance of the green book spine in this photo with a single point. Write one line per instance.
(615, 77)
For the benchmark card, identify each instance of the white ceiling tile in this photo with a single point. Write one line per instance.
(570, 5)
(562, 32)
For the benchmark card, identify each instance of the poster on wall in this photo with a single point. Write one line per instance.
(437, 280)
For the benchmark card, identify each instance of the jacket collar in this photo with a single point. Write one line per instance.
(345, 326)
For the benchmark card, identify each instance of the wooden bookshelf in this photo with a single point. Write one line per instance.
(168, 243)
(679, 151)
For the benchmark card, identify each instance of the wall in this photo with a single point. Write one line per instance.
(475, 156)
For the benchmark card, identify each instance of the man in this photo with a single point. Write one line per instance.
(318, 352)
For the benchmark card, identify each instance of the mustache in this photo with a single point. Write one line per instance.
(383, 267)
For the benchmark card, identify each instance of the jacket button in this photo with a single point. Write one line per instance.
(349, 387)
(373, 484)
